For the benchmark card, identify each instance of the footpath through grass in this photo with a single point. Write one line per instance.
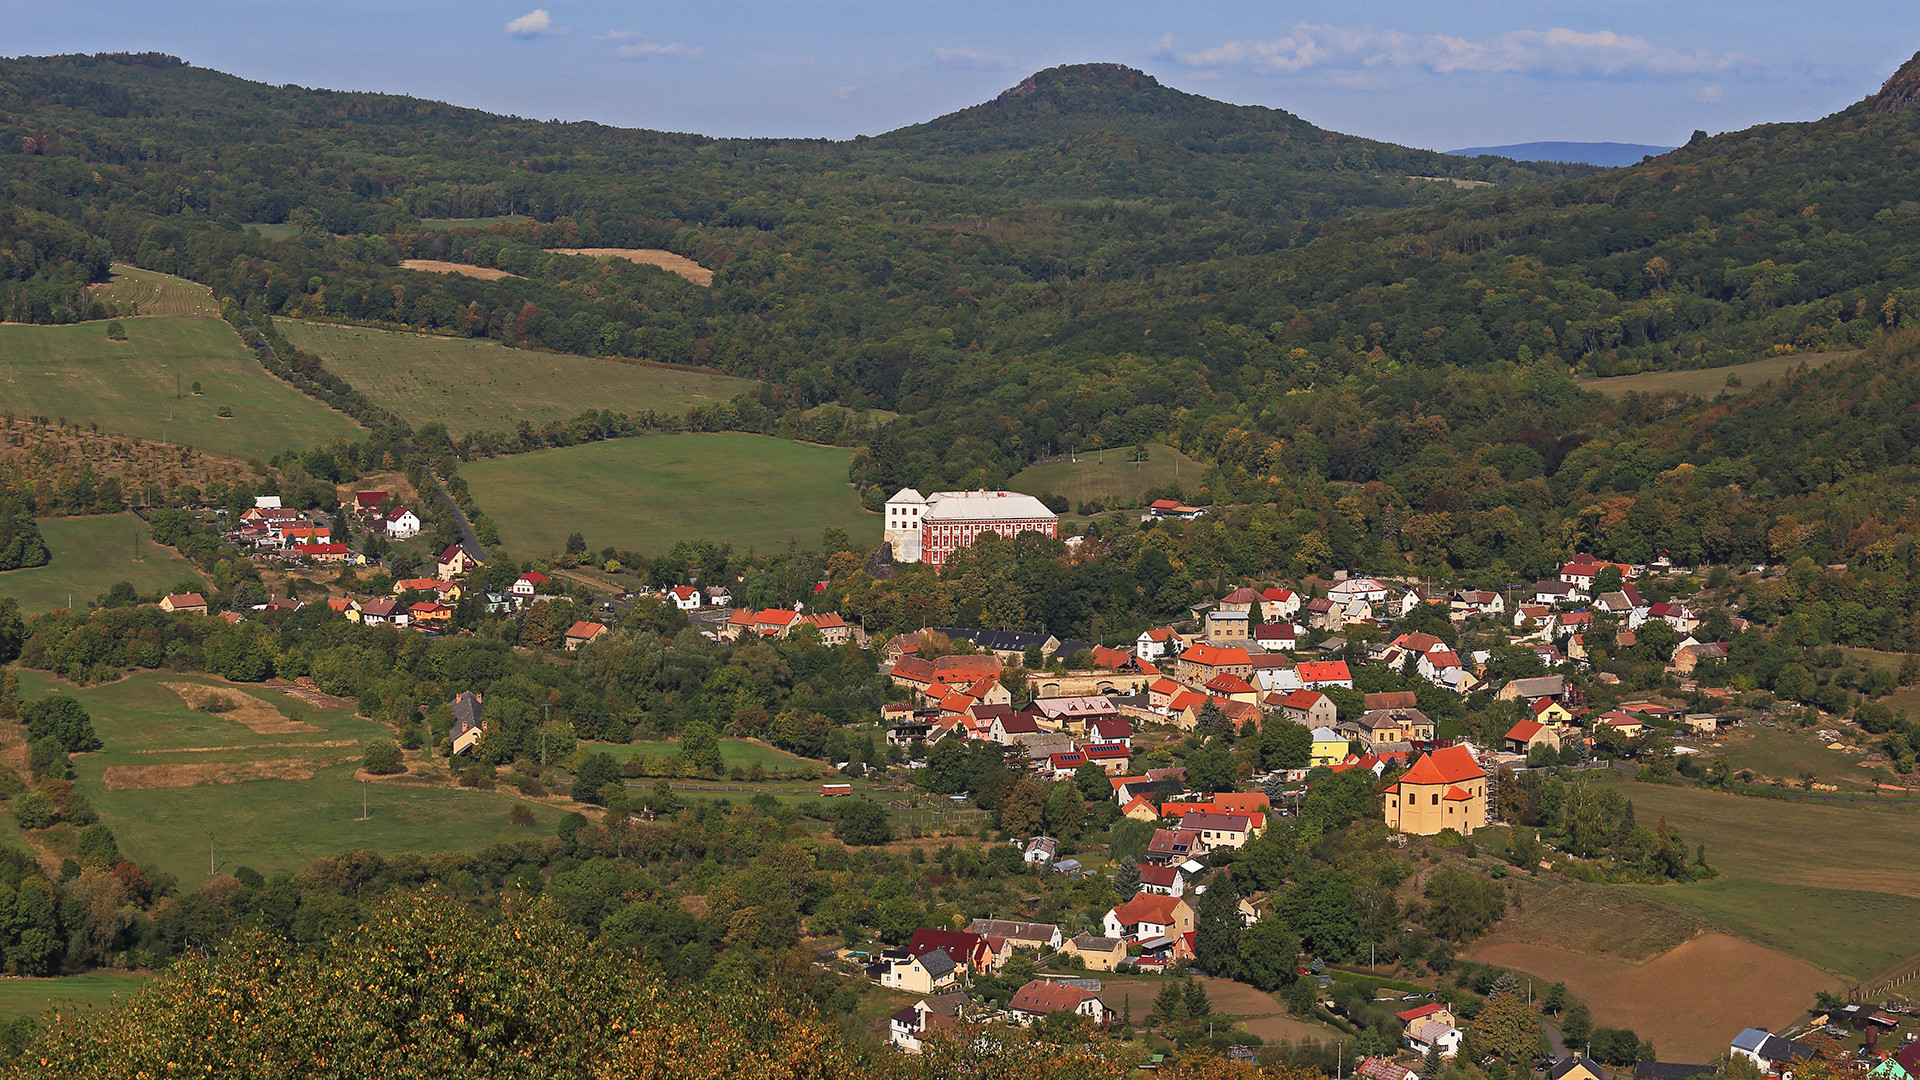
(89, 555)
(472, 385)
(268, 824)
(75, 372)
(1102, 475)
(649, 493)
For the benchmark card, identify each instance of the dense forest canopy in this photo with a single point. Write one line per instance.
(1375, 341)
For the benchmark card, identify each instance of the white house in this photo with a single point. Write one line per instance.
(1152, 645)
(1424, 1035)
(1767, 1050)
(685, 597)
(402, 524)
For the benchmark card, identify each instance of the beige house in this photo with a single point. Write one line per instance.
(176, 602)
(1446, 789)
(921, 974)
(1098, 953)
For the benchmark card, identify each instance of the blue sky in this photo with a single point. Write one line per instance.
(1432, 75)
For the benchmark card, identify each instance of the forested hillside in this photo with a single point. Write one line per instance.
(1090, 260)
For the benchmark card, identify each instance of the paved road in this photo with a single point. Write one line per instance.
(466, 527)
(1554, 1041)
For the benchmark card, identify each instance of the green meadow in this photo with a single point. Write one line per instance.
(646, 494)
(89, 555)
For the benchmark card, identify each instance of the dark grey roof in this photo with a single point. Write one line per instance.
(938, 963)
(466, 712)
(1574, 1061)
(1068, 648)
(996, 640)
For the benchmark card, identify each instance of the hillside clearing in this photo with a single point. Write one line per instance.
(647, 494)
(95, 990)
(149, 292)
(437, 266)
(475, 222)
(143, 386)
(665, 260)
(472, 385)
(1708, 382)
(1103, 475)
(89, 555)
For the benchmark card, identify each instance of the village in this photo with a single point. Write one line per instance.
(1294, 666)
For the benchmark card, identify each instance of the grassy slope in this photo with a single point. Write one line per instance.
(269, 825)
(89, 555)
(646, 494)
(1708, 382)
(1110, 475)
(149, 292)
(1829, 885)
(128, 387)
(480, 385)
(733, 752)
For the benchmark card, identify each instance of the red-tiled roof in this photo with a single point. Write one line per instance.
(584, 629)
(1213, 655)
(1448, 765)
(1525, 730)
(1041, 996)
(1147, 908)
(1302, 699)
(1325, 671)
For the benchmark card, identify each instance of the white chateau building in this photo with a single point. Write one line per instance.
(931, 528)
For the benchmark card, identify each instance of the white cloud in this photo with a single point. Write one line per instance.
(845, 92)
(533, 24)
(643, 50)
(1558, 52)
(968, 58)
(1712, 94)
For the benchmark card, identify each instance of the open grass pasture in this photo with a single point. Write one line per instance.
(89, 555)
(275, 232)
(95, 989)
(647, 494)
(1830, 885)
(742, 752)
(167, 808)
(129, 386)
(1709, 382)
(473, 385)
(1784, 753)
(149, 292)
(1104, 475)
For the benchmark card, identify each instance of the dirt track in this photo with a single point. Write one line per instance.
(1688, 1001)
(255, 715)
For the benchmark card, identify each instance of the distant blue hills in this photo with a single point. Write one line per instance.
(1607, 154)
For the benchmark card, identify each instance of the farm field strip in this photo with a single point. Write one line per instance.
(665, 260)
(269, 824)
(142, 386)
(646, 494)
(149, 292)
(438, 266)
(472, 385)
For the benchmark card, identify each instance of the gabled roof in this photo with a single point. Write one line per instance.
(1411, 1015)
(1525, 730)
(1213, 655)
(1160, 877)
(1398, 699)
(190, 599)
(1448, 765)
(1148, 908)
(1242, 595)
(1041, 996)
(1303, 699)
(584, 629)
(1228, 683)
(1325, 671)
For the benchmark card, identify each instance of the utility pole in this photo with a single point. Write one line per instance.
(210, 838)
(363, 800)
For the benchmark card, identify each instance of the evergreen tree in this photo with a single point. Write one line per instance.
(1195, 999)
(1169, 1007)
(1216, 924)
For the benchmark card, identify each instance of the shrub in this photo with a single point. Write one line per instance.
(33, 810)
(382, 758)
(863, 823)
(116, 332)
(520, 816)
(478, 775)
(217, 704)
(224, 412)
(63, 720)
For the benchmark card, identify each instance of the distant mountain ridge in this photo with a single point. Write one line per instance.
(1611, 155)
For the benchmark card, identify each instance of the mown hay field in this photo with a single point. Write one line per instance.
(472, 385)
(75, 372)
(170, 820)
(647, 494)
(149, 292)
(665, 260)
(97, 989)
(89, 555)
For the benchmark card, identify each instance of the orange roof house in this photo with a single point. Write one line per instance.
(582, 633)
(1445, 789)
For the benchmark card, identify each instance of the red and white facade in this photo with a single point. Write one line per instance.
(931, 528)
